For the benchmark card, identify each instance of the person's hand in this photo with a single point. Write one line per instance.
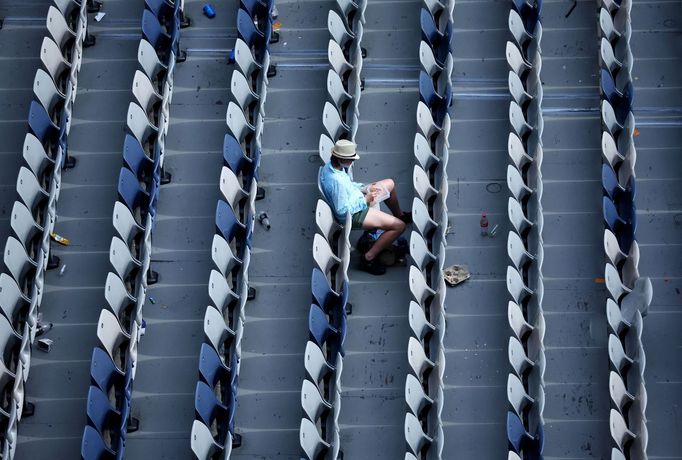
(370, 196)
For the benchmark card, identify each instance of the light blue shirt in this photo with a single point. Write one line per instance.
(343, 194)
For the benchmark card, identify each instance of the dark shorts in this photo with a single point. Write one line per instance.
(359, 217)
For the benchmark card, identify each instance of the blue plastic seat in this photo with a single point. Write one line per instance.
(211, 367)
(247, 31)
(136, 158)
(101, 415)
(437, 40)
(438, 104)
(323, 294)
(93, 446)
(318, 325)
(232, 402)
(609, 181)
(529, 13)
(227, 223)
(517, 435)
(256, 8)
(208, 408)
(613, 220)
(621, 101)
(130, 192)
(235, 159)
(162, 9)
(41, 125)
(103, 371)
(153, 32)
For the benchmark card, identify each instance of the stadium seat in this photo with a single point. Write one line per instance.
(124, 263)
(219, 291)
(237, 124)
(319, 327)
(421, 218)
(422, 184)
(311, 442)
(49, 96)
(619, 360)
(217, 331)
(35, 157)
(121, 302)
(518, 360)
(41, 125)
(529, 11)
(324, 295)
(314, 405)
(326, 224)
(103, 372)
(518, 399)
(146, 96)
(419, 251)
(638, 299)
(55, 64)
(439, 41)
(608, 58)
(139, 126)
(227, 223)
(515, 285)
(620, 433)
(13, 303)
(101, 415)
(242, 93)
(323, 255)
(517, 216)
(516, 432)
(338, 31)
(247, 31)
(25, 228)
(136, 159)
(620, 98)
(18, 263)
(613, 282)
(417, 358)
(130, 192)
(423, 152)
(618, 392)
(418, 322)
(93, 446)
(517, 252)
(112, 337)
(212, 368)
(223, 257)
(335, 126)
(425, 121)
(202, 442)
(414, 435)
(126, 226)
(153, 32)
(209, 409)
(517, 322)
(149, 61)
(418, 286)
(517, 153)
(518, 30)
(246, 62)
(415, 396)
(237, 161)
(338, 95)
(316, 364)
(338, 62)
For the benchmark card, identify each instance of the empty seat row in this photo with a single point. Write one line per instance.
(629, 294)
(27, 253)
(121, 324)
(215, 401)
(423, 427)
(319, 431)
(525, 349)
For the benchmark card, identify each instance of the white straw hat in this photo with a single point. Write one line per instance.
(345, 150)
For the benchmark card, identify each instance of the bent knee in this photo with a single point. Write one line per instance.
(399, 225)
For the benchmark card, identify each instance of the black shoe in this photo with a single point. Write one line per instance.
(406, 217)
(372, 266)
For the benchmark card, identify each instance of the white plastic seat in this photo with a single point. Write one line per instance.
(516, 89)
(324, 218)
(117, 296)
(311, 441)
(423, 153)
(30, 191)
(323, 255)
(244, 58)
(121, 259)
(613, 282)
(414, 435)
(149, 60)
(425, 121)
(517, 153)
(35, 156)
(518, 359)
(612, 248)
(518, 290)
(125, 223)
(611, 123)
(417, 358)
(139, 125)
(418, 286)
(220, 292)
(13, 302)
(230, 189)
(325, 148)
(415, 396)
(419, 251)
(25, 228)
(422, 184)
(58, 28)
(222, 255)
(46, 91)
(216, 330)
(619, 360)
(517, 322)
(335, 90)
(241, 90)
(418, 323)
(517, 396)
(237, 124)
(316, 364)
(606, 25)
(337, 29)
(17, 260)
(620, 433)
(111, 336)
(421, 218)
(513, 456)
(314, 405)
(610, 151)
(518, 121)
(516, 184)
(202, 442)
(331, 119)
(428, 59)
(615, 318)
(608, 58)
(517, 252)
(618, 392)
(145, 94)
(638, 300)
(518, 29)
(515, 59)
(53, 61)
(617, 455)
(517, 217)
(337, 60)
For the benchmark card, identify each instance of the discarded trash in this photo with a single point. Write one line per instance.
(99, 16)
(484, 225)
(62, 270)
(60, 239)
(151, 299)
(635, 133)
(45, 345)
(43, 328)
(599, 280)
(143, 328)
(209, 11)
(276, 26)
(493, 231)
(263, 220)
(274, 12)
(456, 274)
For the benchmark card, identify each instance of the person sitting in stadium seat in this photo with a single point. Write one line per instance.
(362, 202)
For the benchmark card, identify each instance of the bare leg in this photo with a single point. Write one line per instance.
(391, 225)
(392, 201)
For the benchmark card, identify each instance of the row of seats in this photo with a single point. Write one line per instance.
(213, 434)
(27, 252)
(423, 427)
(629, 294)
(526, 351)
(121, 325)
(319, 432)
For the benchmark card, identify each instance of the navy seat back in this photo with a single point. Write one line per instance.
(103, 372)
(323, 294)
(153, 32)
(517, 435)
(232, 402)
(611, 217)
(93, 446)
(130, 192)
(319, 326)
(211, 367)
(136, 158)
(427, 90)
(207, 406)
(234, 158)
(40, 123)
(101, 415)
(609, 181)
(247, 30)
(227, 224)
